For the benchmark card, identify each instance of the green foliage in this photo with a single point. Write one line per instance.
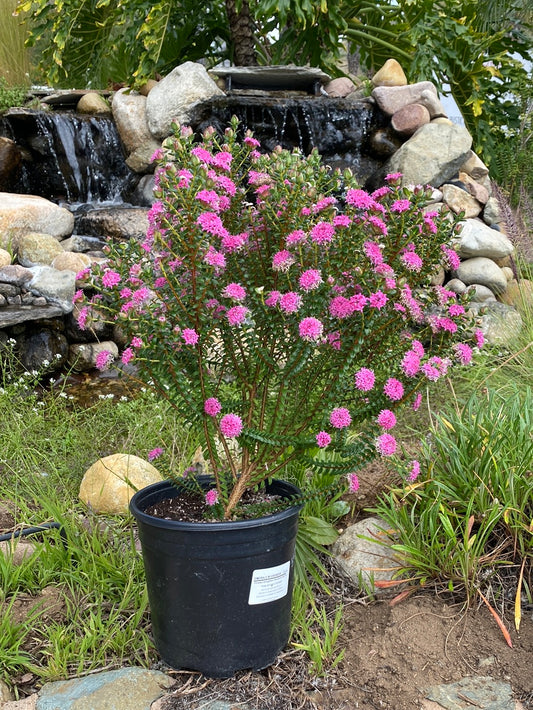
(471, 513)
(317, 633)
(11, 95)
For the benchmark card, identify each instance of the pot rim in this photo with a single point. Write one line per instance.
(159, 490)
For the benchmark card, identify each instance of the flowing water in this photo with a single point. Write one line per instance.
(69, 157)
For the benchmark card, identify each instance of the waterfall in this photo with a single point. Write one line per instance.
(69, 157)
(339, 129)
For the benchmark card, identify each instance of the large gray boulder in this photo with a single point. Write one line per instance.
(432, 156)
(129, 112)
(477, 239)
(173, 97)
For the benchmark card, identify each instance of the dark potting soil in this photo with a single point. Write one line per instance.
(191, 507)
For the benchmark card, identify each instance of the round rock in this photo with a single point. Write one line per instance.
(110, 482)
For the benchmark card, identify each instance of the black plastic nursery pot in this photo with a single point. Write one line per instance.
(219, 593)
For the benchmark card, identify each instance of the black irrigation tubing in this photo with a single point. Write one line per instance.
(33, 531)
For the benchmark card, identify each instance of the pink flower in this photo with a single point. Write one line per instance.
(341, 307)
(480, 338)
(463, 353)
(103, 359)
(360, 199)
(393, 388)
(365, 379)
(322, 233)
(340, 418)
(185, 177)
(358, 301)
(400, 206)
(373, 252)
(410, 363)
(310, 279)
(127, 356)
(411, 260)
(211, 497)
(234, 242)
(295, 237)
(212, 406)
(323, 204)
(251, 142)
(202, 154)
(341, 220)
(431, 372)
(155, 453)
(222, 160)
(272, 298)
(381, 192)
(377, 300)
(215, 258)
(211, 223)
(110, 278)
(226, 184)
(190, 336)
(282, 260)
(418, 348)
(393, 177)
(417, 402)
(236, 315)
(140, 295)
(379, 224)
(136, 342)
(386, 419)
(235, 291)
(414, 472)
(209, 198)
(323, 439)
(82, 317)
(456, 309)
(231, 425)
(310, 329)
(386, 445)
(451, 257)
(353, 482)
(290, 302)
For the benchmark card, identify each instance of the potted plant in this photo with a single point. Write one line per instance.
(283, 311)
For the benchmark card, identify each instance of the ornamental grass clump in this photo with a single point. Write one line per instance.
(280, 307)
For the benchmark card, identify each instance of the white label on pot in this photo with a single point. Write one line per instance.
(269, 584)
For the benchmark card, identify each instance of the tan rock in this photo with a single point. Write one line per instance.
(5, 692)
(29, 703)
(474, 166)
(29, 213)
(82, 357)
(474, 188)
(390, 74)
(145, 89)
(93, 103)
(340, 87)
(5, 258)
(458, 200)
(17, 550)
(442, 120)
(36, 248)
(110, 482)
(71, 261)
(409, 119)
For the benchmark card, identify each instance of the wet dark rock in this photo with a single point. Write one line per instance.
(10, 164)
(41, 345)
